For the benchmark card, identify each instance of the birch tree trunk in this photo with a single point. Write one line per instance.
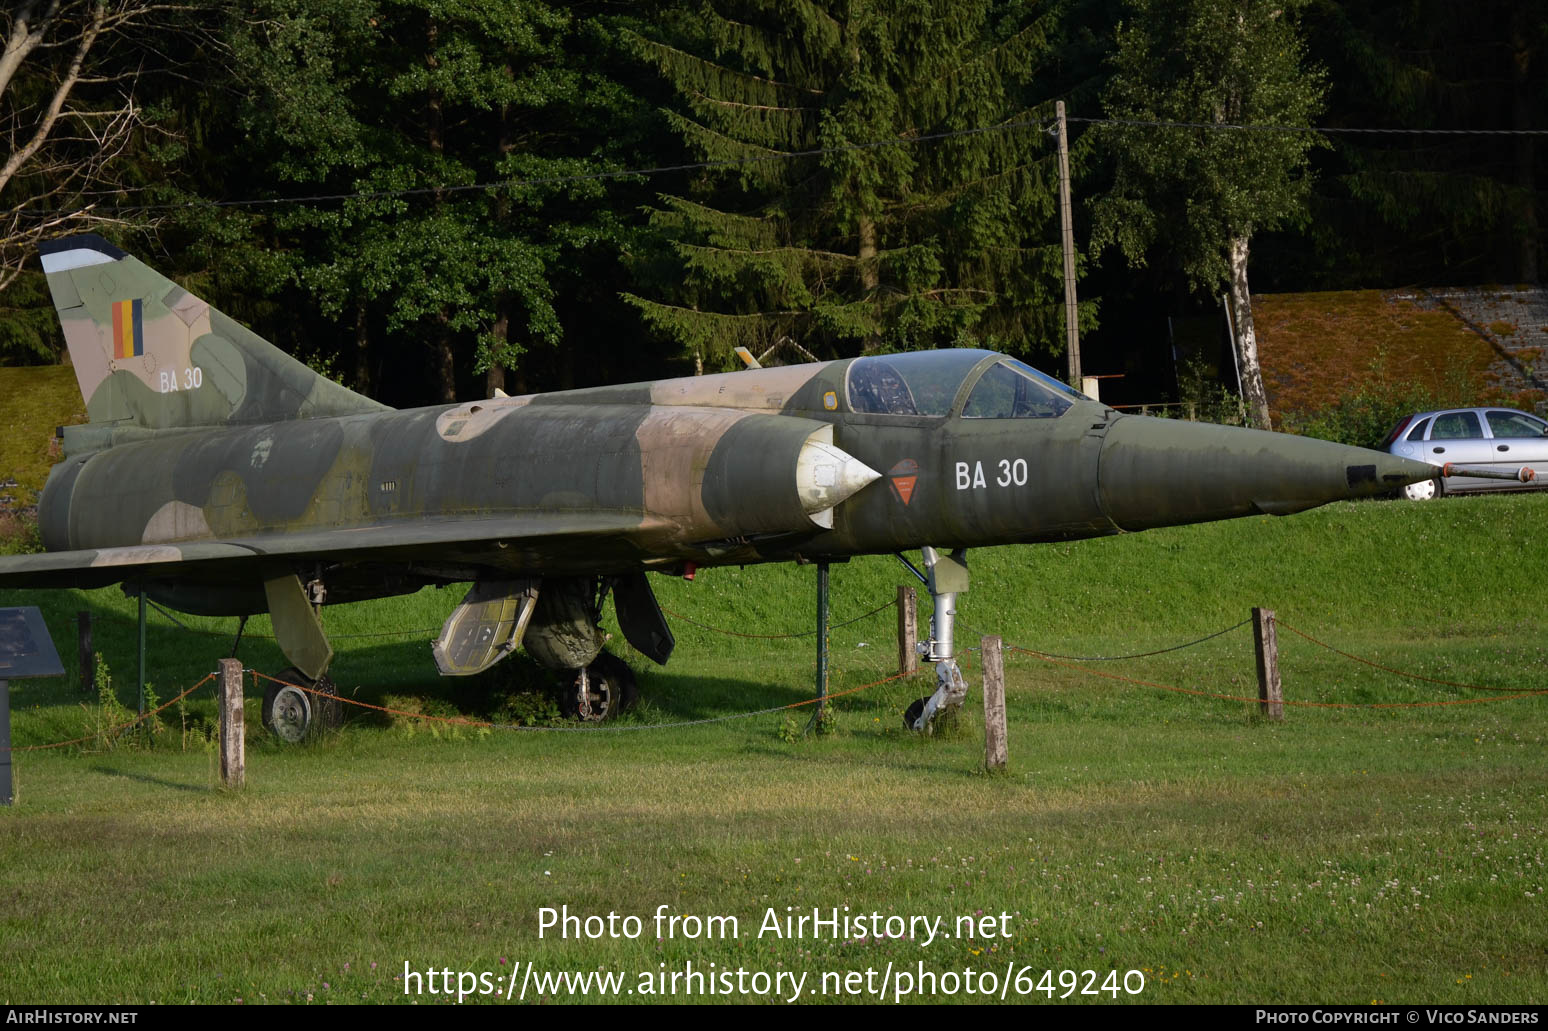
(1247, 337)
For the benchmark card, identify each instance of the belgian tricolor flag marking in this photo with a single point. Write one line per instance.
(128, 333)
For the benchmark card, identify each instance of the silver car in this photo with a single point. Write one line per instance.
(1501, 439)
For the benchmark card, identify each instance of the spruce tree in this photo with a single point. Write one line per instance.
(834, 216)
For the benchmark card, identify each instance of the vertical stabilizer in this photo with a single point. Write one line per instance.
(147, 353)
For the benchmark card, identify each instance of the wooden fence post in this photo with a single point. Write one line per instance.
(1271, 699)
(908, 629)
(233, 754)
(995, 756)
(88, 658)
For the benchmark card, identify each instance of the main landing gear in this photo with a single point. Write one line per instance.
(557, 621)
(946, 576)
(601, 690)
(299, 704)
(294, 714)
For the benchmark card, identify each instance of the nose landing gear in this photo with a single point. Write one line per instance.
(946, 576)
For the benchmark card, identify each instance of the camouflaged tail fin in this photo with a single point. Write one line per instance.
(147, 353)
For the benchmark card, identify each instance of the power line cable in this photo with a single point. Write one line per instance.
(1340, 130)
(698, 166)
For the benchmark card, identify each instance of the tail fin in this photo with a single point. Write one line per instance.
(149, 354)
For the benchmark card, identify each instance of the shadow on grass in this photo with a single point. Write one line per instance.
(403, 669)
(145, 778)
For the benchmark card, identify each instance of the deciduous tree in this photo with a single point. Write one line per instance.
(1234, 70)
(69, 110)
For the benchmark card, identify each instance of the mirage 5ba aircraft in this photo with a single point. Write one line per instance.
(221, 477)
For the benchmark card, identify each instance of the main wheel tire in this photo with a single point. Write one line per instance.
(1424, 490)
(293, 714)
(913, 712)
(610, 689)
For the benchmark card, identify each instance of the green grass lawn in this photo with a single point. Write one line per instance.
(1344, 855)
(40, 396)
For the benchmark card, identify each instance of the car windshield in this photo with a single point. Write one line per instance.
(917, 383)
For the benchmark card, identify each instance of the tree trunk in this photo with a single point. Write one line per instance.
(870, 276)
(445, 362)
(1247, 338)
(362, 350)
(494, 379)
(865, 222)
(445, 359)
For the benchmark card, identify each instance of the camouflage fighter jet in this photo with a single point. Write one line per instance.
(220, 476)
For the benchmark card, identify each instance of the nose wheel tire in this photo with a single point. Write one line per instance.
(600, 691)
(1424, 490)
(913, 712)
(293, 714)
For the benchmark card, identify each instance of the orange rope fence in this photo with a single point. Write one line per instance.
(463, 721)
(1377, 665)
(1310, 705)
(1042, 656)
(158, 710)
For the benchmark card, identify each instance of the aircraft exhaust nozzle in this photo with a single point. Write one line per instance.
(826, 475)
(1164, 472)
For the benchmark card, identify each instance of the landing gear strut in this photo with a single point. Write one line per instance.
(946, 576)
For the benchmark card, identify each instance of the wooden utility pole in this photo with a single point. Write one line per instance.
(1271, 699)
(1067, 236)
(908, 629)
(995, 752)
(233, 754)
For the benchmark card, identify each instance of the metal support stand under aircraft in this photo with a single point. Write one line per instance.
(822, 647)
(946, 576)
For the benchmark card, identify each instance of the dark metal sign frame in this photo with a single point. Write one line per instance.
(26, 651)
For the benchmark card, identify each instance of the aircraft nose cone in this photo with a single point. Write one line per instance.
(1164, 472)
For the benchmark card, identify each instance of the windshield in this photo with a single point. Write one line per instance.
(917, 383)
(1011, 390)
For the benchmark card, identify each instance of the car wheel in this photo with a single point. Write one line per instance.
(1424, 490)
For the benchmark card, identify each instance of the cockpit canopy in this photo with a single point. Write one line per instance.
(928, 383)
